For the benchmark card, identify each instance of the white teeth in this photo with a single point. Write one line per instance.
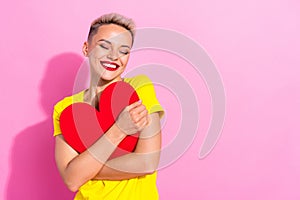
(109, 65)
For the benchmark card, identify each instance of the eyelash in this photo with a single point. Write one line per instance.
(125, 53)
(104, 47)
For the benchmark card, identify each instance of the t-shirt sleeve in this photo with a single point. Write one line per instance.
(56, 115)
(146, 92)
(60, 106)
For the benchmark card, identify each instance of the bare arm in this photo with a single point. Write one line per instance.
(143, 161)
(75, 168)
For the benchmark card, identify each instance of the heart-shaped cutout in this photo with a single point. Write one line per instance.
(81, 124)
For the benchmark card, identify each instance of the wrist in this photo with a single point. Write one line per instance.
(115, 134)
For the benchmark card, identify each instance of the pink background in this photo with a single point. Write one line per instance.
(255, 45)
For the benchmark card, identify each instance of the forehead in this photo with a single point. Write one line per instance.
(114, 33)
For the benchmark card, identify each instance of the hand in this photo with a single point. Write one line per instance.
(133, 118)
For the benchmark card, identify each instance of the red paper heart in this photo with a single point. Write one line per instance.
(81, 124)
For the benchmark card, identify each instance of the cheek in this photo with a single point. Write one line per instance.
(124, 60)
(97, 53)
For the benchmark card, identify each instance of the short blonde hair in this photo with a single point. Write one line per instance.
(112, 18)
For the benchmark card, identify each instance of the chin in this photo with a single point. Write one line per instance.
(110, 78)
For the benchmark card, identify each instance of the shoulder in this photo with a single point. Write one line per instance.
(139, 81)
(65, 102)
(146, 91)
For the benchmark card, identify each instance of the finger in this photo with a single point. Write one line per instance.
(138, 117)
(141, 121)
(142, 124)
(138, 109)
(144, 113)
(138, 112)
(133, 105)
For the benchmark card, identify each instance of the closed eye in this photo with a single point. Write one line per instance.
(104, 46)
(124, 52)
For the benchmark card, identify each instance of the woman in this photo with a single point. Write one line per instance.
(91, 173)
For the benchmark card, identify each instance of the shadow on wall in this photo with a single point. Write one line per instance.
(33, 173)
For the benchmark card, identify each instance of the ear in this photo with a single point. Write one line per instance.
(85, 49)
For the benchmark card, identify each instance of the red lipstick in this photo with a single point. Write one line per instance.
(110, 66)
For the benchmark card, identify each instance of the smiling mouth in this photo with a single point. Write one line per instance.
(109, 65)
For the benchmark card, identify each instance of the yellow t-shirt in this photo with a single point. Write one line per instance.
(135, 188)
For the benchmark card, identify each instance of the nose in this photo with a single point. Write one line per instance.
(112, 55)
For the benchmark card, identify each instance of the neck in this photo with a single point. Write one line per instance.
(96, 87)
(99, 85)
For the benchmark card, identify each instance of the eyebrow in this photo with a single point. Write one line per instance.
(111, 43)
